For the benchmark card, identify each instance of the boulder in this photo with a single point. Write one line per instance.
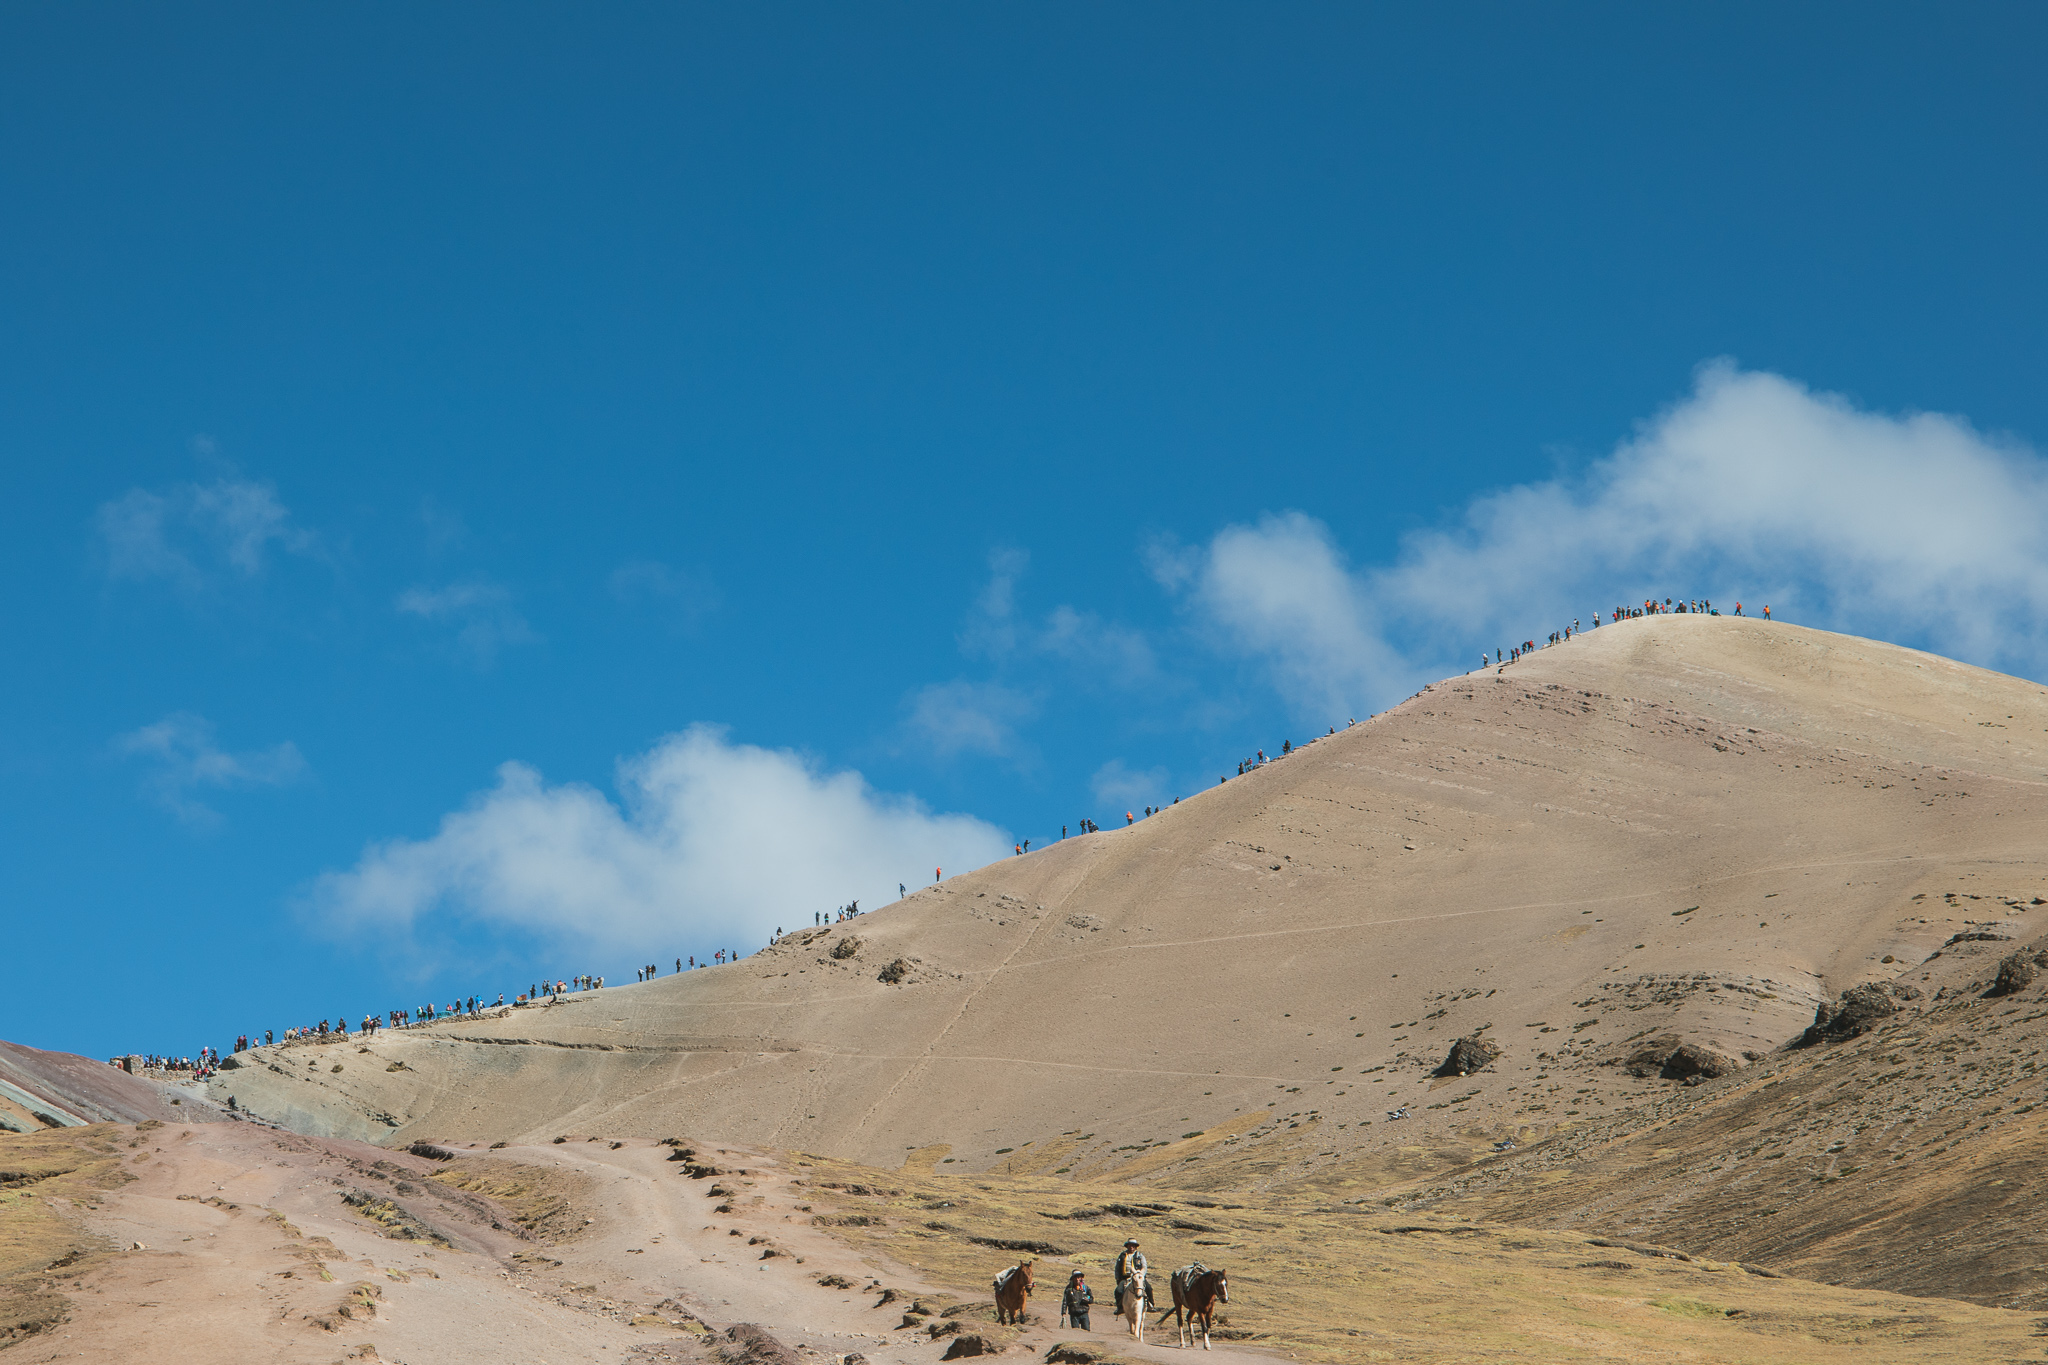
(896, 971)
(846, 947)
(1467, 1056)
(1856, 1011)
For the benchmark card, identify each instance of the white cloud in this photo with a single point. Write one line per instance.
(192, 530)
(186, 759)
(968, 717)
(1115, 784)
(1752, 487)
(712, 844)
(480, 612)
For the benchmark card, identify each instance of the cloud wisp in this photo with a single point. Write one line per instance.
(480, 613)
(678, 595)
(960, 717)
(185, 759)
(196, 532)
(1914, 527)
(710, 844)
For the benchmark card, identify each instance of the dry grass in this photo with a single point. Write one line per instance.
(541, 1200)
(45, 1178)
(1351, 1282)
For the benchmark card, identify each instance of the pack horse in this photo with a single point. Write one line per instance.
(1196, 1292)
(1013, 1291)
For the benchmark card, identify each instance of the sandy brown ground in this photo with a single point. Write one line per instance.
(231, 1243)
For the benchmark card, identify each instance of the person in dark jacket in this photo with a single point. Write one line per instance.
(1076, 1300)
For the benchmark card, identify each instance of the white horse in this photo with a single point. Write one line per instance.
(1131, 1301)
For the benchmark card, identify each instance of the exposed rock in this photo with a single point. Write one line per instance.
(1856, 1011)
(1692, 1064)
(974, 1344)
(746, 1344)
(846, 947)
(1467, 1056)
(896, 971)
(2019, 971)
(431, 1152)
(1649, 1056)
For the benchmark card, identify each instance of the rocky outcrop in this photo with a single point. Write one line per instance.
(1673, 1059)
(746, 1343)
(1856, 1011)
(845, 948)
(1467, 1056)
(2019, 971)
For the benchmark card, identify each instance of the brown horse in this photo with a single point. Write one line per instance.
(1013, 1290)
(1196, 1292)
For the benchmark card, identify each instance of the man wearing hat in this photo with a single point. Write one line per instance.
(1130, 1265)
(1076, 1301)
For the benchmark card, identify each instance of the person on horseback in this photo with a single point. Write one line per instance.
(1130, 1265)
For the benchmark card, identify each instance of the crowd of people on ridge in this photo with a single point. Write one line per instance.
(1508, 654)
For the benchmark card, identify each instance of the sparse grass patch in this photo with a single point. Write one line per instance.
(43, 1177)
(1318, 1279)
(539, 1199)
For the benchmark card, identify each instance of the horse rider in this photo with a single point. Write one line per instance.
(1129, 1266)
(1076, 1300)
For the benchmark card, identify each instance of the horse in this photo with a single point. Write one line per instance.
(1196, 1292)
(1013, 1289)
(1131, 1298)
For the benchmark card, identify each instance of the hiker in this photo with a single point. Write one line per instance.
(1075, 1301)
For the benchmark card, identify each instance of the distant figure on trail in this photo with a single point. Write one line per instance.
(1076, 1301)
(1129, 818)
(1767, 611)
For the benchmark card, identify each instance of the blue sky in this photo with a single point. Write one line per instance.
(808, 444)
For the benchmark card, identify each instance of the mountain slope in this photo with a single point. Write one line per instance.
(1676, 835)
